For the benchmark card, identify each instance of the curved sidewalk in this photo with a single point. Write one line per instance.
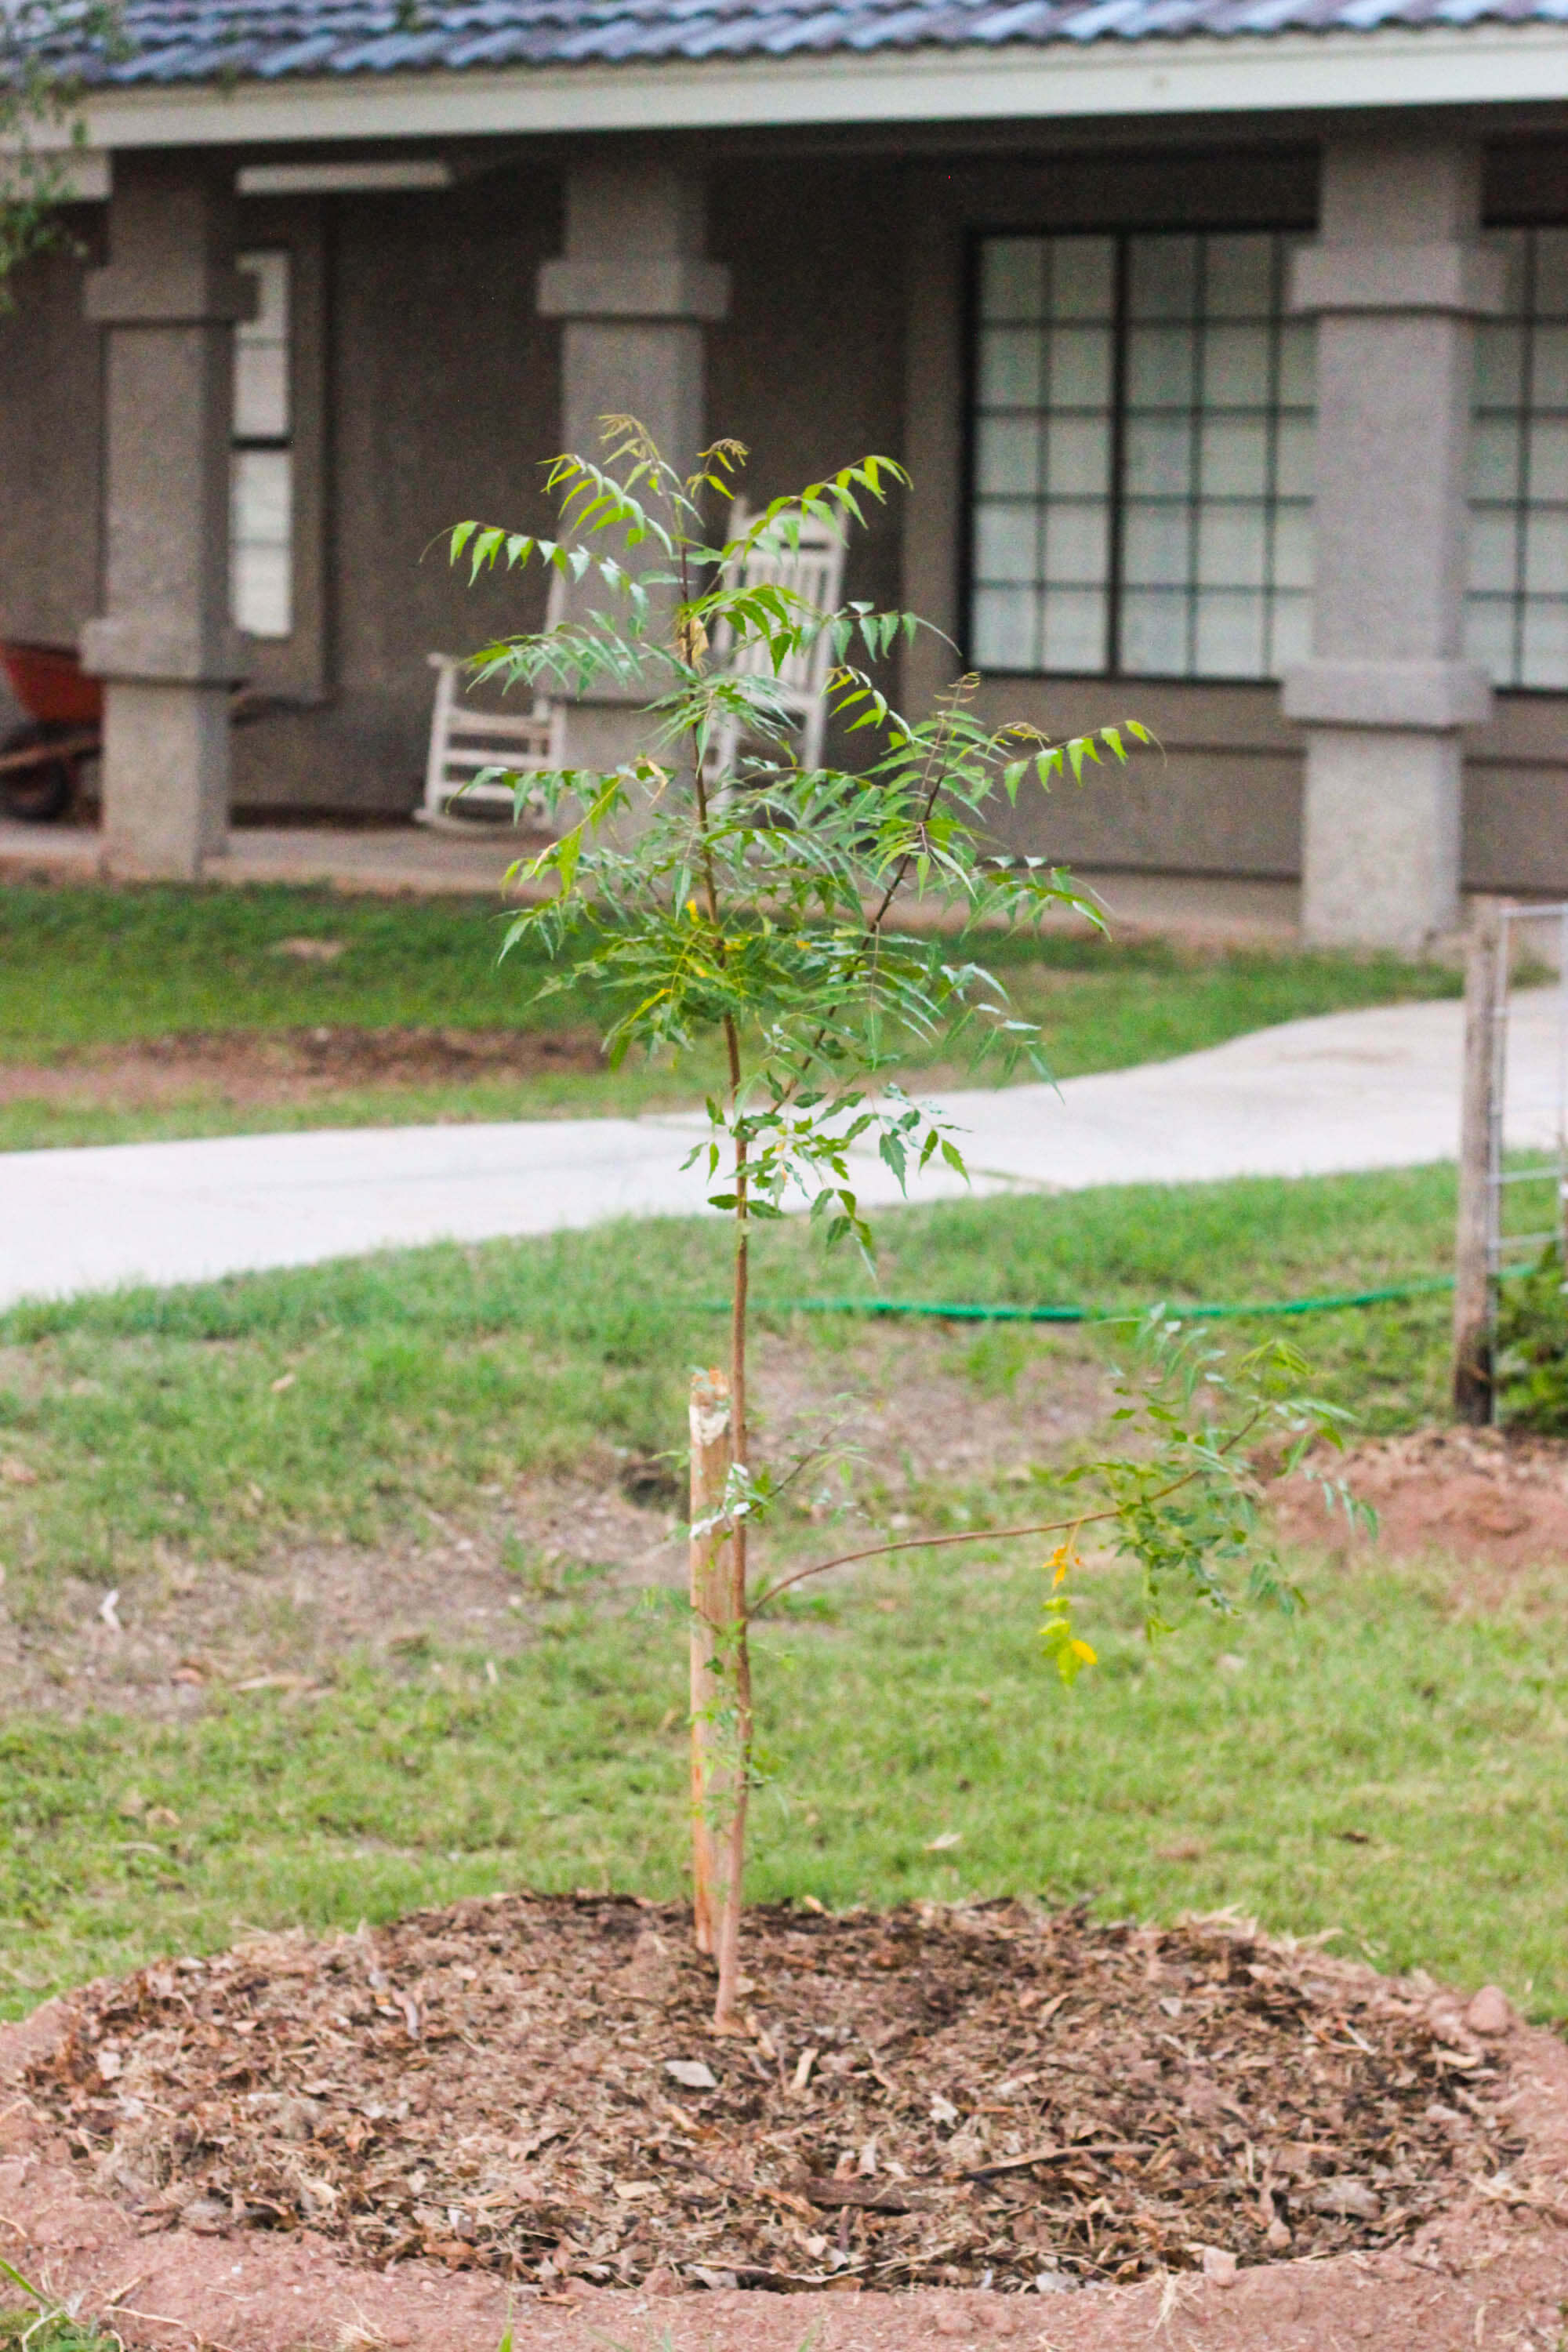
(1355, 1090)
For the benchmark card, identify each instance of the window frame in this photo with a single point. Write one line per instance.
(1517, 598)
(244, 445)
(297, 668)
(1122, 235)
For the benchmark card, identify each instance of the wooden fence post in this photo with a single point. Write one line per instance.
(1472, 1268)
(710, 1429)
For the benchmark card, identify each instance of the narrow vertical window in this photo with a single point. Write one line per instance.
(1517, 604)
(1042, 453)
(261, 522)
(1142, 446)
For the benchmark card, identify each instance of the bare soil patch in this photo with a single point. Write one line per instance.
(1472, 1494)
(185, 1625)
(293, 1066)
(915, 1425)
(981, 2097)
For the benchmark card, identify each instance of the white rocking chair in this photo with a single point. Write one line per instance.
(465, 739)
(814, 570)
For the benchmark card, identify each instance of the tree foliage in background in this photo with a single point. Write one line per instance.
(40, 120)
(818, 921)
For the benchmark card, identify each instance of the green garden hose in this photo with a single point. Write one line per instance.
(941, 1311)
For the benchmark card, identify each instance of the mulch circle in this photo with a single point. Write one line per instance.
(978, 2096)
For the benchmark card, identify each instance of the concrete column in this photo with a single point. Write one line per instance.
(1395, 282)
(635, 293)
(164, 645)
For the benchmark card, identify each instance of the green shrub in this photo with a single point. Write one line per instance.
(1532, 1349)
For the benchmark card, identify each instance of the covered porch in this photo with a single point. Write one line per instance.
(1192, 409)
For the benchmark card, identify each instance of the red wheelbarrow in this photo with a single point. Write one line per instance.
(38, 761)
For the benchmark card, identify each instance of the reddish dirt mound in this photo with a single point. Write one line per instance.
(288, 1065)
(1471, 1494)
(981, 2097)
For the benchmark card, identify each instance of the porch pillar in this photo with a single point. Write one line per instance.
(635, 293)
(164, 644)
(1395, 282)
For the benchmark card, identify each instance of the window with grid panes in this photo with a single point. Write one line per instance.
(1142, 460)
(262, 465)
(1517, 606)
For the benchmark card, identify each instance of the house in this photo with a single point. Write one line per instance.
(1225, 340)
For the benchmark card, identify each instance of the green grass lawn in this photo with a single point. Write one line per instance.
(85, 970)
(418, 1377)
(1386, 1765)
(1393, 1764)
(96, 966)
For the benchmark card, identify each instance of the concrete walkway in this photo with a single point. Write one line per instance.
(1358, 1090)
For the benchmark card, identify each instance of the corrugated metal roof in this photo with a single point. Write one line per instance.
(214, 41)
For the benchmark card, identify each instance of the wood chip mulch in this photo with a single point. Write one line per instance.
(984, 2095)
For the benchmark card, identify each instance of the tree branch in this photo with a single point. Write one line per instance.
(989, 1535)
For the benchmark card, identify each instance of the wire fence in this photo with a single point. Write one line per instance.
(1533, 1116)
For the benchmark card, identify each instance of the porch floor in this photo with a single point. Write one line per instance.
(379, 859)
(389, 860)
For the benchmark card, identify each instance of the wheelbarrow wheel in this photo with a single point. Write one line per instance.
(37, 794)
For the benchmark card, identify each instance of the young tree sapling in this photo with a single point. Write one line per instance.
(816, 921)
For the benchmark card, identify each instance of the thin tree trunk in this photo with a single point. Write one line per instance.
(726, 2017)
(710, 1581)
(1472, 1268)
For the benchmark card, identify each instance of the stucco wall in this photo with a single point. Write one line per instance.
(808, 368)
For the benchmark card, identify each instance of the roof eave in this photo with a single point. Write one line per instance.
(1333, 71)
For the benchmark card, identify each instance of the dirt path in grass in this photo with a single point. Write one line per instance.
(904, 1425)
(951, 2125)
(911, 1428)
(263, 1067)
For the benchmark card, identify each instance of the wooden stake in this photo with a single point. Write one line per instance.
(1472, 1268)
(710, 1445)
(726, 2009)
